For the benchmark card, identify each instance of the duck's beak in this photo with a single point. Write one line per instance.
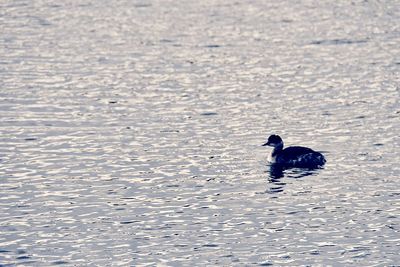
(266, 144)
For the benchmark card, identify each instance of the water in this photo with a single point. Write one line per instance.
(131, 133)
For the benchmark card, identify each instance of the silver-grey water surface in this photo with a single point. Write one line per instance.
(131, 132)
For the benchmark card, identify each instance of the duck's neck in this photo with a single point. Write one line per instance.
(277, 149)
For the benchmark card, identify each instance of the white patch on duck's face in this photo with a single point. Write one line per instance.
(277, 147)
(280, 144)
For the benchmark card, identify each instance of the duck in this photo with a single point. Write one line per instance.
(293, 156)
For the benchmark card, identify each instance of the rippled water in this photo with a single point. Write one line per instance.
(131, 132)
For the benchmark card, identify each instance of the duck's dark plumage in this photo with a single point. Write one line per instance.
(301, 157)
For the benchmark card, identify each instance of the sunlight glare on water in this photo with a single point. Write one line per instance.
(131, 133)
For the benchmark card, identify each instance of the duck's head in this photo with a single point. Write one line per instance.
(274, 141)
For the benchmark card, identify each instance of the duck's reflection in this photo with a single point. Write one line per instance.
(277, 172)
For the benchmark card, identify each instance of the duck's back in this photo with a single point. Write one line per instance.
(298, 156)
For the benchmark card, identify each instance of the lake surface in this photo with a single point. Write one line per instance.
(131, 133)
